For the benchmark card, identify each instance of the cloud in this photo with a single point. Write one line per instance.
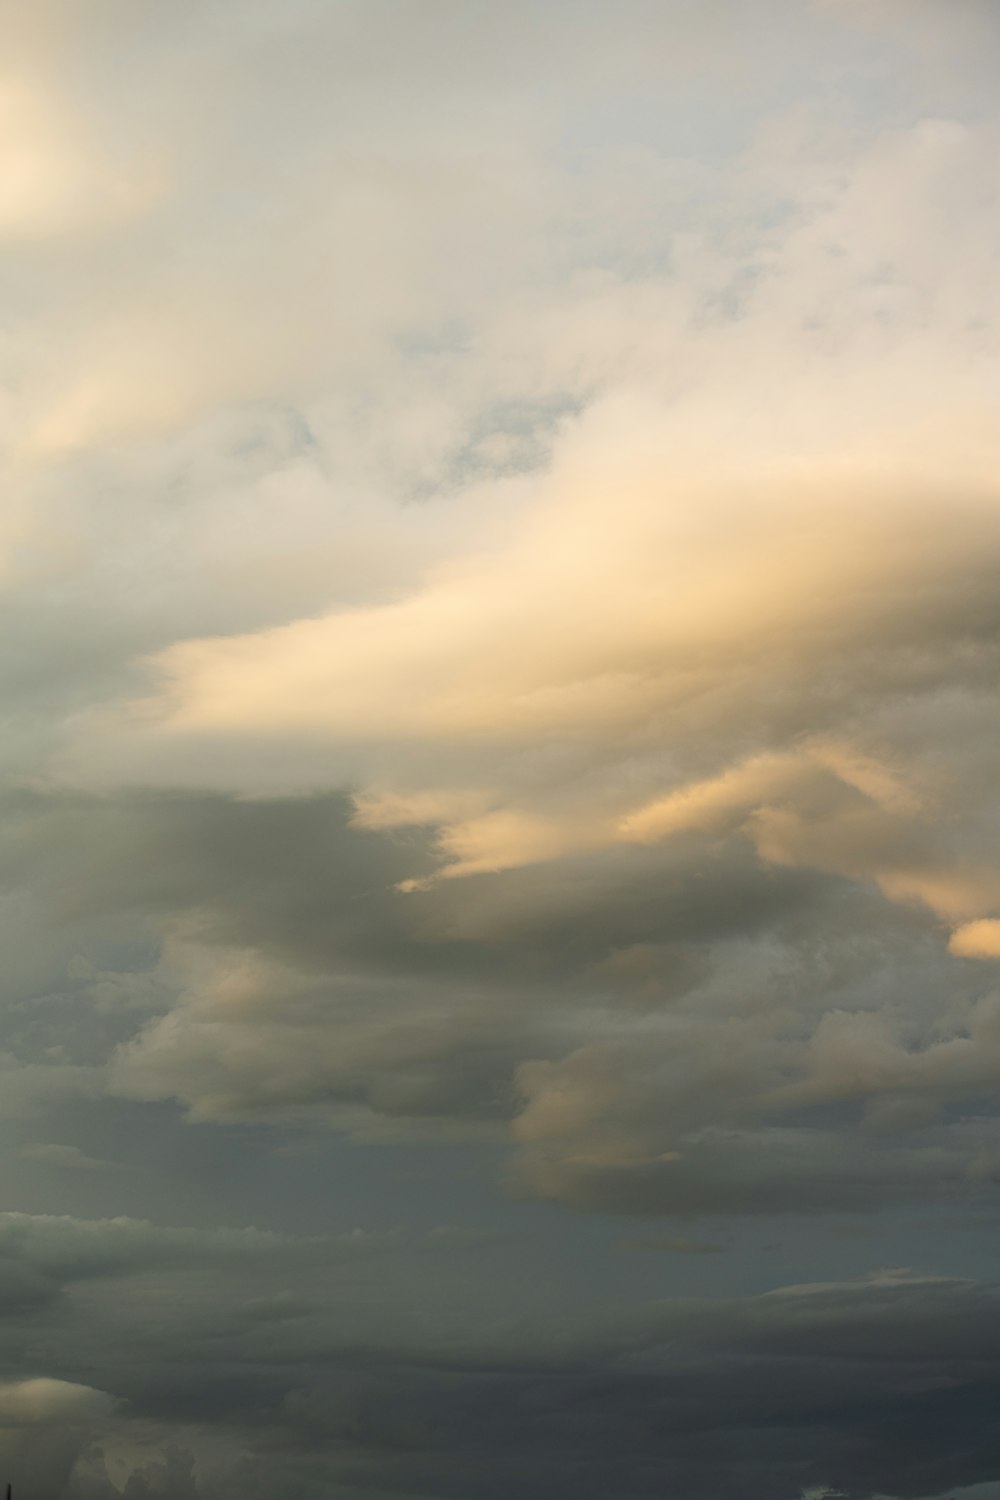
(977, 939)
(657, 1031)
(71, 1158)
(844, 1386)
(250, 1038)
(726, 629)
(674, 1246)
(46, 1425)
(499, 642)
(41, 1402)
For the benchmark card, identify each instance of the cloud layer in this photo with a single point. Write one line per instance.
(499, 637)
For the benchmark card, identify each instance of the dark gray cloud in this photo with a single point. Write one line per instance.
(688, 1032)
(881, 1386)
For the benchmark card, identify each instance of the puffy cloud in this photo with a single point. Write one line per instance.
(43, 1402)
(661, 1031)
(977, 939)
(248, 1038)
(46, 1426)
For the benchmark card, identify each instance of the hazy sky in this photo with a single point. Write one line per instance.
(500, 782)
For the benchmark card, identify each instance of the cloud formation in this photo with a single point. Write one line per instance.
(849, 1385)
(499, 638)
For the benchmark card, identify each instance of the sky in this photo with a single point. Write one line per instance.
(499, 645)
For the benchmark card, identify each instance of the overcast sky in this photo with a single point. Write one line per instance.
(500, 781)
